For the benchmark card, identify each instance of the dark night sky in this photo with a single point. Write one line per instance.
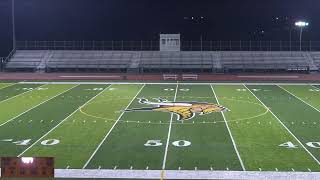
(145, 19)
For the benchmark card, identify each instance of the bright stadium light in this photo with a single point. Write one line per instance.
(301, 25)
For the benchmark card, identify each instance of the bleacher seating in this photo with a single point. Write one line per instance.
(59, 60)
(176, 60)
(25, 60)
(73, 60)
(264, 60)
(316, 58)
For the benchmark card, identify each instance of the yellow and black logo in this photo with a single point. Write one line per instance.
(184, 110)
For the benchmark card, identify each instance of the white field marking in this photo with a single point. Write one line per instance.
(37, 106)
(169, 133)
(309, 169)
(181, 83)
(260, 169)
(314, 86)
(115, 167)
(106, 136)
(61, 122)
(230, 134)
(8, 85)
(21, 94)
(298, 98)
(99, 167)
(277, 169)
(183, 174)
(285, 128)
(292, 169)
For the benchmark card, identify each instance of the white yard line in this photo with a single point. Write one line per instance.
(298, 98)
(233, 141)
(62, 122)
(37, 105)
(169, 133)
(21, 94)
(8, 85)
(104, 139)
(163, 83)
(284, 126)
(183, 174)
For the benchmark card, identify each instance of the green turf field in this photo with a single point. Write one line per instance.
(163, 126)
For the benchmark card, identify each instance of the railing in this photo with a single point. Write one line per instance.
(1, 63)
(185, 45)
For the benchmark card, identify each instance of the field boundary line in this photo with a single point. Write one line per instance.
(298, 98)
(106, 136)
(8, 85)
(37, 105)
(233, 141)
(164, 83)
(285, 127)
(62, 121)
(21, 94)
(182, 174)
(169, 134)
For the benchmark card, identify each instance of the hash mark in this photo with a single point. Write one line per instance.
(260, 169)
(68, 167)
(292, 169)
(115, 167)
(276, 169)
(309, 170)
(51, 121)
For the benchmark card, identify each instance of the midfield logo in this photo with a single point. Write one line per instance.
(184, 110)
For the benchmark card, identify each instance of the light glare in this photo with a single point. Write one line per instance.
(301, 24)
(27, 160)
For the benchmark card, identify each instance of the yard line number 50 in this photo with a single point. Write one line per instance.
(179, 143)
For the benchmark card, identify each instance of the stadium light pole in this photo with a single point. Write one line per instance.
(13, 25)
(301, 25)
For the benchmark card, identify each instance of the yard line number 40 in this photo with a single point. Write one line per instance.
(290, 145)
(25, 142)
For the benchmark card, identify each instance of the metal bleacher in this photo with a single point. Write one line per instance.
(265, 60)
(177, 60)
(316, 58)
(25, 60)
(163, 61)
(86, 60)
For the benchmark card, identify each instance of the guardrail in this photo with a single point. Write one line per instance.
(185, 45)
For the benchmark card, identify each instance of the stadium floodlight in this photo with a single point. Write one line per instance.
(301, 25)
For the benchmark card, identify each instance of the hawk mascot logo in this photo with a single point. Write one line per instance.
(184, 110)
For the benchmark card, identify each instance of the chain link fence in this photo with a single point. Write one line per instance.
(185, 45)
